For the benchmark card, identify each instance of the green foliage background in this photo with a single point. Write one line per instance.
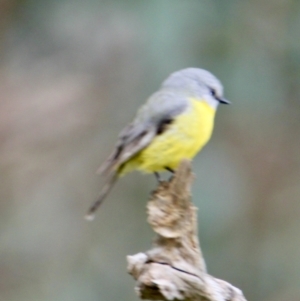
(72, 74)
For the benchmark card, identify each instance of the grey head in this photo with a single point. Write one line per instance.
(197, 83)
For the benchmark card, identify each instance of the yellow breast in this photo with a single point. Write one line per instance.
(184, 138)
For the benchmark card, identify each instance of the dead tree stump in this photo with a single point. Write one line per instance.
(174, 269)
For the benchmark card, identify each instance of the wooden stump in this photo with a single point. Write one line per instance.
(174, 269)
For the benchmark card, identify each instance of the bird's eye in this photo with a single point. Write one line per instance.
(213, 92)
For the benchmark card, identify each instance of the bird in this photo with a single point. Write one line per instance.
(174, 124)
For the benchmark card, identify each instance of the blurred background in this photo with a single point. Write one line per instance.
(72, 74)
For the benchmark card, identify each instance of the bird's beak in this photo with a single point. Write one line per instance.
(224, 101)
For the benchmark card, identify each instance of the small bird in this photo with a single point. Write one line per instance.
(174, 124)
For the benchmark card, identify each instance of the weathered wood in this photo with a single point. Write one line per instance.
(174, 269)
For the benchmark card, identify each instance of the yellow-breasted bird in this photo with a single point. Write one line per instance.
(175, 123)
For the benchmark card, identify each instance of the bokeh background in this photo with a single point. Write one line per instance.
(72, 74)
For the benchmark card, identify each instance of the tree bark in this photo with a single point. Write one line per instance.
(174, 269)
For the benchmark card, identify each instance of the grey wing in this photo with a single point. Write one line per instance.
(151, 120)
(131, 140)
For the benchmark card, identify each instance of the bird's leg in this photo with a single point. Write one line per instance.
(171, 171)
(157, 176)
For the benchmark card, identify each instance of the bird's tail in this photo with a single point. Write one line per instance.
(105, 190)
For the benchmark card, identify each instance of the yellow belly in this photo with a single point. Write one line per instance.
(183, 139)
